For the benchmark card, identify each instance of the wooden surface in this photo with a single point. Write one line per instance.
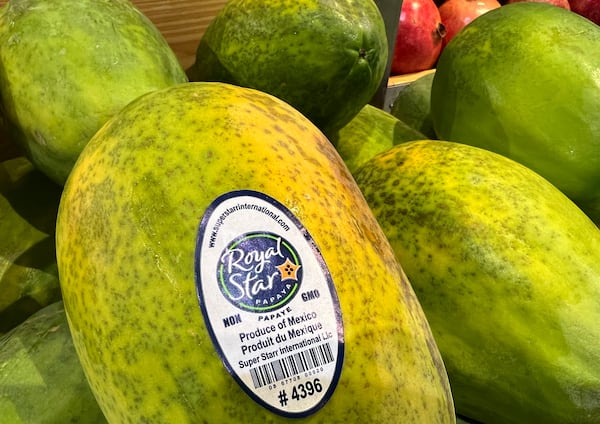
(181, 22)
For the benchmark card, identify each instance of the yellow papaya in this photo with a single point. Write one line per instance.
(218, 263)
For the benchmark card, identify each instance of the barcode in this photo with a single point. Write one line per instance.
(291, 365)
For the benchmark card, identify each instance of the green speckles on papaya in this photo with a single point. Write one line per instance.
(68, 67)
(126, 237)
(303, 52)
(488, 246)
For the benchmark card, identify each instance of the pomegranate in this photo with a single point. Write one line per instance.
(419, 37)
(560, 3)
(587, 8)
(456, 14)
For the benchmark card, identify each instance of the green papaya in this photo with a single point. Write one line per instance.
(371, 131)
(412, 105)
(67, 66)
(324, 57)
(28, 271)
(42, 380)
(507, 269)
(523, 81)
(206, 244)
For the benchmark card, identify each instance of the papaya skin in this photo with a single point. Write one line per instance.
(326, 58)
(522, 82)
(42, 380)
(69, 66)
(28, 273)
(507, 269)
(126, 232)
(370, 132)
(412, 105)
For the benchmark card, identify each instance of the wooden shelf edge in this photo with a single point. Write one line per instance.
(398, 80)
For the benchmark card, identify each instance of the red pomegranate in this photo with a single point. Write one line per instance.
(419, 37)
(587, 8)
(456, 14)
(559, 3)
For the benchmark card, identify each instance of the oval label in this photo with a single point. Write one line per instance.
(269, 303)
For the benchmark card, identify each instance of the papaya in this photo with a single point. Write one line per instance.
(42, 380)
(326, 58)
(522, 81)
(28, 271)
(371, 131)
(207, 252)
(507, 270)
(412, 105)
(69, 66)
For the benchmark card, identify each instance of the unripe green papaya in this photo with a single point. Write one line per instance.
(370, 132)
(507, 269)
(523, 81)
(324, 57)
(28, 272)
(219, 264)
(412, 105)
(68, 66)
(42, 380)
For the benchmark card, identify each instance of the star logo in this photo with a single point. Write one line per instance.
(288, 270)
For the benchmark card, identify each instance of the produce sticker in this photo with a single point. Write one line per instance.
(269, 303)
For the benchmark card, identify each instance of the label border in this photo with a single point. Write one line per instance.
(202, 228)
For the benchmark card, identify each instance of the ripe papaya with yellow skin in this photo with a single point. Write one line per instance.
(142, 215)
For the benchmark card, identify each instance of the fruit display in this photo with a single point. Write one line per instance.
(273, 46)
(419, 37)
(507, 269)
(542, 110)
(425, 27)
(176, 153)
(69, 66)
(457, 14)
(41, 378)
(208, 216)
